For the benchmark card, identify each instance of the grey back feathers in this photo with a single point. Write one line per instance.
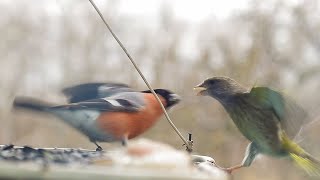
(107, 95)
(83, 92)
(102, 105)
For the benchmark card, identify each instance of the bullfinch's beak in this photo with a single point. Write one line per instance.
(175, 98)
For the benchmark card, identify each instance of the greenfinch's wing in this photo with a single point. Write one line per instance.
(291, 116)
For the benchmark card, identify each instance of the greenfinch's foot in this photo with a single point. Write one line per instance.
(231, 169)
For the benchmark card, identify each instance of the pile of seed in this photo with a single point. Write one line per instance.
(47, 155)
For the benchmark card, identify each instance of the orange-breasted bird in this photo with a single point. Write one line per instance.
(106, 112)
(267, 118)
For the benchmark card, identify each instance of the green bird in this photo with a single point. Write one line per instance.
(267, 118)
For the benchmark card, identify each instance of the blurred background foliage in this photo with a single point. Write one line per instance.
(270, 43)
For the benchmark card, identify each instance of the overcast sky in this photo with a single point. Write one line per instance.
(195, 10)
(190, 10)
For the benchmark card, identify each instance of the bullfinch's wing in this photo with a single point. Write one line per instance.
(291, 116)
(120, 101)
(102, 105)
(87, 91)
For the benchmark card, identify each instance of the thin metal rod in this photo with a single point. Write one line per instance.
(142, 76)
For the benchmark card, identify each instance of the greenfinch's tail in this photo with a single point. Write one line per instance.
(300, 156)
(308, 163)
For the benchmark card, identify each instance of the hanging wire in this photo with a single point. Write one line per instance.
(189, 143)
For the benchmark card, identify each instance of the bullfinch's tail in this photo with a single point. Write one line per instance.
(31, 104)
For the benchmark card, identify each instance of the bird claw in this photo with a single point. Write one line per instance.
(231, 169)
(227, 170)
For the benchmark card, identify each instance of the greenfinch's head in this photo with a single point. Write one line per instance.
(219, 87)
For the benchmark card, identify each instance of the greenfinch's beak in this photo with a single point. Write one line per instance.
(200, 89)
